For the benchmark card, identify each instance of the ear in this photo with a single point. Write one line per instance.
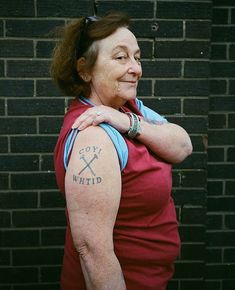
(80, 64)
(81, 69)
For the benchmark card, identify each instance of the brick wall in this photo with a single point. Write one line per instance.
(220, 238)
(175, 39)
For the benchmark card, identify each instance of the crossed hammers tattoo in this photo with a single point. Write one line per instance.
(88, 164)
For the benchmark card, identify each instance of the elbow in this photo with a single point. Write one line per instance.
(90, 252)
(188, 148)
(185, 150)
(83, 250)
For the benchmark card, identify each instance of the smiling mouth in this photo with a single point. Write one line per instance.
(131, 82)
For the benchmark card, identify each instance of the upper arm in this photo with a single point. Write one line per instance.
(93, 188)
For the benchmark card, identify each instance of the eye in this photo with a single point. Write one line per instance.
(121, 57)
(138, 59)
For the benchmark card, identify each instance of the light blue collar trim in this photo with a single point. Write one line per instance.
(86, 101)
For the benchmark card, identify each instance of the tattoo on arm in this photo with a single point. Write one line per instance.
(88, 155)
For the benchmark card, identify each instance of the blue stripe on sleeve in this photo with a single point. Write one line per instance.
(69, 145)
(118, 142)
(117, 139)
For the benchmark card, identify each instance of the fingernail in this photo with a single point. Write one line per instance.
(80, 127)
(75, 125)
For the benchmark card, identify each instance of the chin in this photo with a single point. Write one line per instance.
(129, 95)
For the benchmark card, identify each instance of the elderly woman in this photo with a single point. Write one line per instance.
(113, 163)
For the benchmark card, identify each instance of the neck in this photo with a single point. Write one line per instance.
(97, 101)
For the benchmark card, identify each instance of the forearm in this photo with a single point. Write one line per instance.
(102, 272)
(169, 141)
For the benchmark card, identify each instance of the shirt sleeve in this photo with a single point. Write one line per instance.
(148, 114)
(117, 139)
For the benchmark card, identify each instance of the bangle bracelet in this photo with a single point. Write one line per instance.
(134, 125)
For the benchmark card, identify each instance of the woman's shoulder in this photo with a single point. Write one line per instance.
(94, 151)
(93, 140)
(94, 134)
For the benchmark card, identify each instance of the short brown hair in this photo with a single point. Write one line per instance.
(66, 52)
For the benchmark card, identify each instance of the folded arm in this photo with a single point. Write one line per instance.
(167, 140)
(93, 189)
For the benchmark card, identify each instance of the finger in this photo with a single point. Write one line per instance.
(86, 123)
(94, 118)
(79, 120)
(98, 119)
(76, 124)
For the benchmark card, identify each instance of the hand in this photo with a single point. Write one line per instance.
(100, 114)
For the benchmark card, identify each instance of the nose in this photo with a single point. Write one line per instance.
(135, 68)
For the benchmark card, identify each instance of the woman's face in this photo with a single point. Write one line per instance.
(117, 70)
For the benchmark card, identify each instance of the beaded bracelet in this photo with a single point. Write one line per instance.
(134, 125)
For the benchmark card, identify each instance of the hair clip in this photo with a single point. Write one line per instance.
(95, 6)
(94, 17)
(83, 40)
(90, 19)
